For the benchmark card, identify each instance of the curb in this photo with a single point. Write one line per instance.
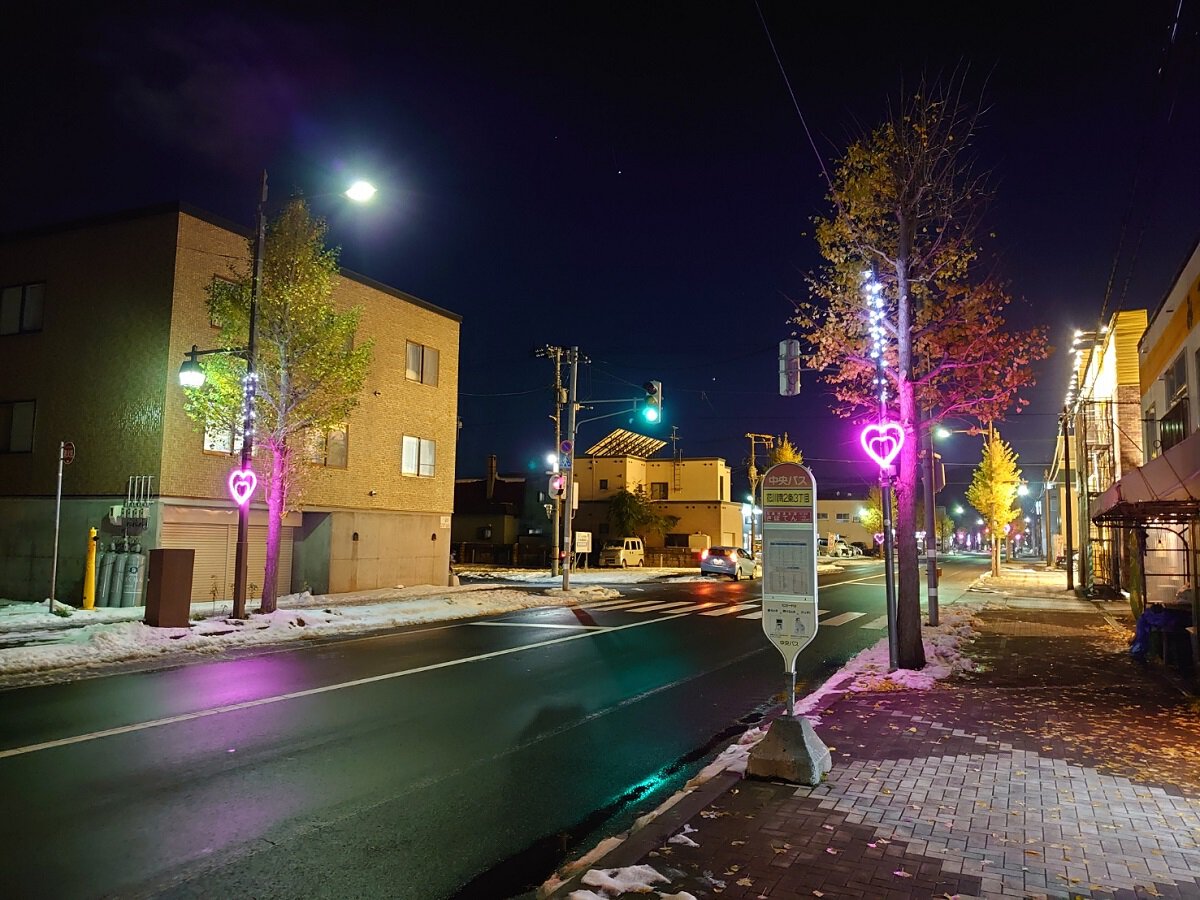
(639, 841)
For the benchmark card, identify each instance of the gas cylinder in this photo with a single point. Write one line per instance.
(131, 593)
(118, 576)
(104, 581)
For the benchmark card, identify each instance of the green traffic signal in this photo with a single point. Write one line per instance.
(652, 411)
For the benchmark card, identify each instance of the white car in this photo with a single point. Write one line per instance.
(732, 561)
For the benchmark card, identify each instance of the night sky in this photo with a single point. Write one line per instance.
(631, 177)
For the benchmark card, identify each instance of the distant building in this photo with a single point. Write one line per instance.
(95, 319)
(502, 519)
(841, 514)
(696, 491)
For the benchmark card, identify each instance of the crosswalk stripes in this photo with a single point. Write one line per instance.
(658, 606)
(749, 610)
(843, 618)
(729, 610)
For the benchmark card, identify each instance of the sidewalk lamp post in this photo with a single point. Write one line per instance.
(242, 481)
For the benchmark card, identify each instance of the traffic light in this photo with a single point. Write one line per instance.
(558, 486)
(652, 411)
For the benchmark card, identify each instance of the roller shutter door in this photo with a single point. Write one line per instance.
(214, 562)
(216, 551)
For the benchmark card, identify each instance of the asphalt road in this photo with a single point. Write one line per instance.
(435, 761)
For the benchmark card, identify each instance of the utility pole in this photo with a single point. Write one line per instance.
(768, 442)
(931, 571)
(569, 498)
(555, 353)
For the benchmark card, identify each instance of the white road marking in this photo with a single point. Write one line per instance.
(616, 604)
(324, 689)
(656, 607)
(881, 622)
(843, 618)
(753, 615)
(535, 625)
(730, 610)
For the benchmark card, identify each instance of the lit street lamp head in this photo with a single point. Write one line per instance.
(361, 191)
(190, 373)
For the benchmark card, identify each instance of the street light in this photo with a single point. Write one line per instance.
(242, 481)
(361, 191)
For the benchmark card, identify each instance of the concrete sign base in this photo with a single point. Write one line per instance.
(791, 751)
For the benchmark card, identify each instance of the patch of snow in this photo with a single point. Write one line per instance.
(682, 837)
(631, 879)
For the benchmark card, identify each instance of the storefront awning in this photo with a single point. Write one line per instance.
(1165, 489)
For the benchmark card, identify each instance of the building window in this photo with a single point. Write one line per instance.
(16, 426)
(329, 448)
(222, 438)
(822, 515)
(843, 517)
(604, 484)
(1149, 436)
(422, 364)
(1175, 378)
(658, 490)
(1173, 427)
(418, 457)
(21, 308)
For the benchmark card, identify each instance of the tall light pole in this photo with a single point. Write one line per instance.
(249, 393)
(191, 375)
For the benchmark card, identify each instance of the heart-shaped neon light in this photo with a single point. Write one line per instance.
(242, 483)
(882, 442)
(879, 537)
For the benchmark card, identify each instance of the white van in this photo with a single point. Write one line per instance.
(623, 553)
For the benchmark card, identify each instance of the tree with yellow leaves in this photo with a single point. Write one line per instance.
(993, 491)
(785, 451)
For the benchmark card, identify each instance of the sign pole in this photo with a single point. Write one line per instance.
(62, 455)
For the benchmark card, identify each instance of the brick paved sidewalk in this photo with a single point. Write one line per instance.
(1061, 769)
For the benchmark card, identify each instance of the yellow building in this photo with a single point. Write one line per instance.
(96, 319)
(842, 516)
(696, 491)
(1155, 503)
(1105, 443)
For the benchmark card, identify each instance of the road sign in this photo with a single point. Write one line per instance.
(789, 502)
(68, 450)
(565, 447)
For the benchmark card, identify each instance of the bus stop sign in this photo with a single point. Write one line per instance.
(789, 504)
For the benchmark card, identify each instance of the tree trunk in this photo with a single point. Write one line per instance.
(276, 508)
(995, 556)
(910, 649)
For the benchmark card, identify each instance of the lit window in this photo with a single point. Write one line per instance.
(418, 457)
(21, 308)
(422, 364)
(16, 426)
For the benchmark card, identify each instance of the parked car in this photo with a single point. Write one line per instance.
(860, 548)
(732, 561)
(622, 553)
(839, 549)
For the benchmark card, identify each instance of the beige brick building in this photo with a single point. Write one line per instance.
(97, 318)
